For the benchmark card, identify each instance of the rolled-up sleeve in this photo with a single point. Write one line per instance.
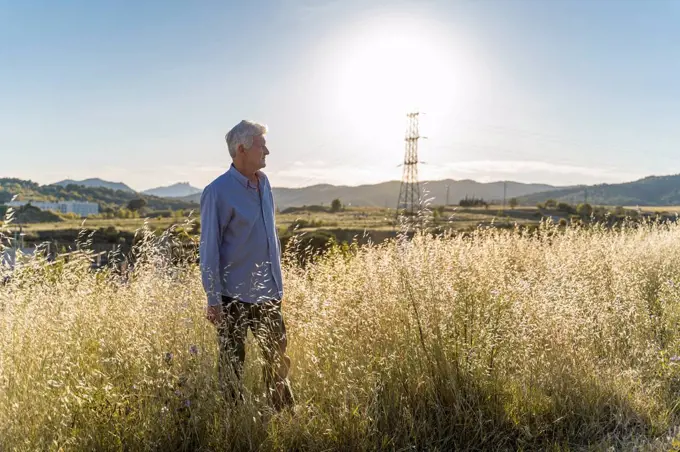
(209, 248)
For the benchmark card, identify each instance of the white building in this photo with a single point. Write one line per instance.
(82, 209)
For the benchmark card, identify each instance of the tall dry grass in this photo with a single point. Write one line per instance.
(564, 339)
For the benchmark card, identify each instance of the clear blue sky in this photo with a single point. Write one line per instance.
(559, 92)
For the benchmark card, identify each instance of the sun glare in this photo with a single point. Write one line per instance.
(394, 69)
(382, 69)
(391, 73)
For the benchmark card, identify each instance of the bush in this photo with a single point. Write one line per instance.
(31, 214)
(304, 209)
(161, 214)
(472, 202)
(301, 223)
(584, 210)
(566, 208)
(110, 233)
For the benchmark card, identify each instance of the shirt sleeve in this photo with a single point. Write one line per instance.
(273, 204)
(209, 247)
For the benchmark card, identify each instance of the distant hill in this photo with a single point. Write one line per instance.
(105, 197)
(650, 191)
(177, 190)
(96, 182)
(385, 194)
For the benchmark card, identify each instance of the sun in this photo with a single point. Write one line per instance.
(391, 73)
(390, 68)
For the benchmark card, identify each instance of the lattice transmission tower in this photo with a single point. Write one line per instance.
(409, 202)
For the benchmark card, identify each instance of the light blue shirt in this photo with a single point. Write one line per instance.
(240, 253)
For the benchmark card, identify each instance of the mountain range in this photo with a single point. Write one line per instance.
(380, 195)
(96, 182)
(177, 190)
(649, 191)
(385, 194)
(107, 198)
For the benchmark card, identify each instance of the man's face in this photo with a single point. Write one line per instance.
(255, 157)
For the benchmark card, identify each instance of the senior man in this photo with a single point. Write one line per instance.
(241, 262)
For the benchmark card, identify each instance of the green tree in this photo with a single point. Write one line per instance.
(584, 210)
(336, 205)
(136, 204)
(513, 203)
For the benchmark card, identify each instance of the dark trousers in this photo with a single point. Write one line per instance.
(265, 320)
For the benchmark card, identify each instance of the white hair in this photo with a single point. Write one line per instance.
(243, 133)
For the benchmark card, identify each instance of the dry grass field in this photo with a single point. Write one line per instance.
(356, 218)
(560, 339)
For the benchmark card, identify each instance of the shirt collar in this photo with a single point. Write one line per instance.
(243, 180)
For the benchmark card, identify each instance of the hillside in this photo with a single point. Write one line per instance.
(30, 214)
(385, 194)
(105, 197)
(96, 183)
(178, 190)
(650, 191)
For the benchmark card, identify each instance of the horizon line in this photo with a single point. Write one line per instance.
(355, 186)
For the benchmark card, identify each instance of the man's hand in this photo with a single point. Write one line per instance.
(214, 314)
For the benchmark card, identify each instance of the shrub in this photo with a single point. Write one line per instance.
(566, 208)
(301, 223)
(304, 209)
(584, 210)
(472, 202)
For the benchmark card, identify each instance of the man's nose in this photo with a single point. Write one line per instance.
(266, 150)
